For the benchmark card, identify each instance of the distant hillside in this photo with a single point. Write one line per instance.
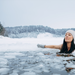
(24, 31)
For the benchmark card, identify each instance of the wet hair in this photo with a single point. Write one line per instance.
(64, 47)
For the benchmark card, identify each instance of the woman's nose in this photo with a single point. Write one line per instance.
(66, 35)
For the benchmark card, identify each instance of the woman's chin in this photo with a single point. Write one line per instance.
(67, 41)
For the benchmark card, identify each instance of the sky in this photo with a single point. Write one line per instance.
(52, 13)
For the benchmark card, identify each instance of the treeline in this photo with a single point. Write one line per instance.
(24, 31)
(38, 28)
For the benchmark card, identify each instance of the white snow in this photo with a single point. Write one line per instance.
(26, 44)
(45, 35)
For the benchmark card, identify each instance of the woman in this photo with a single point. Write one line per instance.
(68, 45)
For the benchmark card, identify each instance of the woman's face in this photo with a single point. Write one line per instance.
(68, 37)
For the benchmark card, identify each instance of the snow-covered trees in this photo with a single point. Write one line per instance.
(33, 31)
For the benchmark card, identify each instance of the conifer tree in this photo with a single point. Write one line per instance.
(2, 30)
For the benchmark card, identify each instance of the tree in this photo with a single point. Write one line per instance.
(2, 30)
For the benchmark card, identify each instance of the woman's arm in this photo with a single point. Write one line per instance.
(54, 46)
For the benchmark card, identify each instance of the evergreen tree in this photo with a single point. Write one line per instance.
(2, 30)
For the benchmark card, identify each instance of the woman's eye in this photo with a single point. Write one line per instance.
(69, 34)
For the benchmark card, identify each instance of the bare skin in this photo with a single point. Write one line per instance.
(68, 39)
(54, 46)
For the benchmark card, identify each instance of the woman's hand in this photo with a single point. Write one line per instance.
(40, 46)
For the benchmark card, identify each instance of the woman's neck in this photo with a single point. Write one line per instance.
(68, 46)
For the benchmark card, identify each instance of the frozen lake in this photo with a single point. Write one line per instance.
(22, 57)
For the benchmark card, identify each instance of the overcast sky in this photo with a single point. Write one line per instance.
(52, 13)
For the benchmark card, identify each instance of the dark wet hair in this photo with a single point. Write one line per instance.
(64, 47)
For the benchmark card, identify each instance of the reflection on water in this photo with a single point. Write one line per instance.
(36, 63)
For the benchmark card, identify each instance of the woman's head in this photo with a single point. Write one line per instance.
(69, 36)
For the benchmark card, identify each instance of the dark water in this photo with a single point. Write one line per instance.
(36, 63)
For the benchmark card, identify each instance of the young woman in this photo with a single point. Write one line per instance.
(68, 45)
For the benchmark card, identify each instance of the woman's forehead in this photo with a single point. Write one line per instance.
(68, 33)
